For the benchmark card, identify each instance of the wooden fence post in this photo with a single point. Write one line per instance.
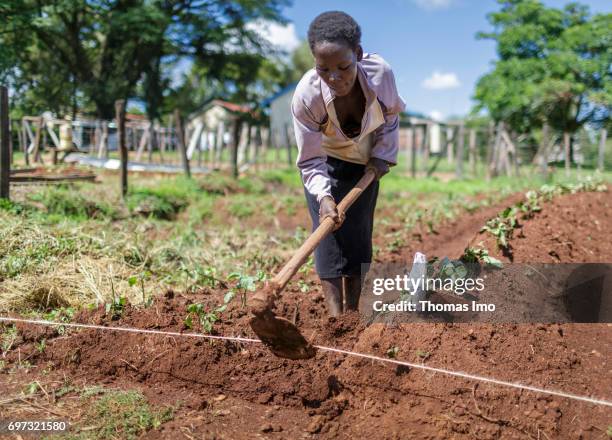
(236, 132)
(602, 149)
(472, 147)
(426, 147)
(5, 154)
(123, 152)
(37, 139)
(11, 149)
(26, 142)
(460, 145)
(180, 137)
(414, 153)
(216, 162)
(451, 135)
(494, 166)
(490, 149)
(265, 145)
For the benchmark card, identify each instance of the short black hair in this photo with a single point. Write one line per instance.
(334, 26)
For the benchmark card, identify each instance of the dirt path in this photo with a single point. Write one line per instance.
(240, 391)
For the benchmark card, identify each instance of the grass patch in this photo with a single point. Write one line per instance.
(64, 201)
(242, 206)
(119, 414)
(286, 177)
(164, 200)
(150, 203)
(13, 207)
(23, 246)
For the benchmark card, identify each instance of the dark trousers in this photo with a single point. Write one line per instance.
(343, 252)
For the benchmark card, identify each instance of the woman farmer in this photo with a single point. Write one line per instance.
(346, 120)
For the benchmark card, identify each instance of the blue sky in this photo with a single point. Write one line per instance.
(430, 44)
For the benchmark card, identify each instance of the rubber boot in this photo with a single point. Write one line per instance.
(352, 292)
(332, 289)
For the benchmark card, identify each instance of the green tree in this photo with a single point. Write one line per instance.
(553, 67)
(88, 53)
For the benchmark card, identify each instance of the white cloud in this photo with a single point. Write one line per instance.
(440, 81)
(433, 4)
(282, 36)
(436, 115)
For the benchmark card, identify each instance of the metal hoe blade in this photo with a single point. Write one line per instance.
(281, 336)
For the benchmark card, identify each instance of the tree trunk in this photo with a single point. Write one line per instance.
(543, 153)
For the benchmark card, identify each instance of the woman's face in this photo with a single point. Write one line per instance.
(336, 64)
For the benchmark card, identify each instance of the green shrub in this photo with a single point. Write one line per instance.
(69, 202)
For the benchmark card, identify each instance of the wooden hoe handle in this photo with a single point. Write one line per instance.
(325, 228)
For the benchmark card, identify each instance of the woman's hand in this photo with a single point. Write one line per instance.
(379, 166)
(327, 208)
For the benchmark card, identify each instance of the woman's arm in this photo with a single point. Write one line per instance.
(311, 158)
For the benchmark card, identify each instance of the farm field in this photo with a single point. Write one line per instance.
(184, 256)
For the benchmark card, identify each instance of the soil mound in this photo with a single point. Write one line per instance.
(230, 389)
(573, 228)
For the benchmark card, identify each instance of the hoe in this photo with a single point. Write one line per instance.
(280, 335)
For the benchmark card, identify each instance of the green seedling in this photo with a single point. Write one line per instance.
(430, 226)
(140, 279)
(9, 336)
(300, 235)
(245, 283)
(62, 314)
(205, 276)
(392, 352)
(303, 286)
(307, 267)
(207, 318)
(116, 307)
(395, 245)
(475, 255)
(31, 388)
(41, 345)
(423, 354)
(500, 229)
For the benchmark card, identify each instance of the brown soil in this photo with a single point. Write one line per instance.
(241, 391)
(573, 228)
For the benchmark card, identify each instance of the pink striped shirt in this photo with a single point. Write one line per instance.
(309, 108)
